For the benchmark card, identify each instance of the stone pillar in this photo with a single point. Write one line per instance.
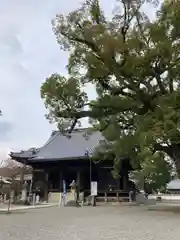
(22, 176)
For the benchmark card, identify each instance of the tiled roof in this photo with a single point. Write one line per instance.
(62, 147)
(22, 154)
(174, 185)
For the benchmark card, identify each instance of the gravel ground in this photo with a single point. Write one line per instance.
(90, 223)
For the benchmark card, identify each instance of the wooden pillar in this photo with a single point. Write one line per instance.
(61, 182)
(78, 178)
(118, 183)
(78, 181)
(125, 182)
(46, 183)
(105, 197)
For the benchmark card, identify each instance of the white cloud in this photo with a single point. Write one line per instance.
(28, 54)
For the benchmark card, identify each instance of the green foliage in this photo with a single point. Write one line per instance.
(55, 91)
(134, 64)
(154, 174)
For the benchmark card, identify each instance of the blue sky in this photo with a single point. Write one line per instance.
(28, 54)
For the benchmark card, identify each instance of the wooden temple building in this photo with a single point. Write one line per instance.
(65, 158)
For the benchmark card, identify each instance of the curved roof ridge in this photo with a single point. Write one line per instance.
(51, 139)
(56, 133)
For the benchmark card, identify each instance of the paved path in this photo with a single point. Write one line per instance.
(90, 223)
(3, 207)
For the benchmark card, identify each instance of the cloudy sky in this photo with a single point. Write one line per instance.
(28, 54)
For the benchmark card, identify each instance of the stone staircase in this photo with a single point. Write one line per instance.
(54, 197)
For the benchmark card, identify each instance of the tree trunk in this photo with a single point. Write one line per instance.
(173, 151)
(175, 155)
(21, 178)
(176, 159)
(177, 164)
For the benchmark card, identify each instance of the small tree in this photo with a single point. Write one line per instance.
(153, 175)
(11, 169)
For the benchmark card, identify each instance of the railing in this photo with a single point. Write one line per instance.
(104, 195)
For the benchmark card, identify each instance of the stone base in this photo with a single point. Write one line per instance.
(73, 203)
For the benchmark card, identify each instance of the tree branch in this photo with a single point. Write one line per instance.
(157, 72)
(73, 125)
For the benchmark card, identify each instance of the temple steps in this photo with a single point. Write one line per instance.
(54, 197)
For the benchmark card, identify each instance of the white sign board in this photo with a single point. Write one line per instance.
(93, 188)
(24, 195)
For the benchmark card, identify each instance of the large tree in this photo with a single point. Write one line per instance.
(134, 64)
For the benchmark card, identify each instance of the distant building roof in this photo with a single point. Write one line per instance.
(62, 147)
(174, 185)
